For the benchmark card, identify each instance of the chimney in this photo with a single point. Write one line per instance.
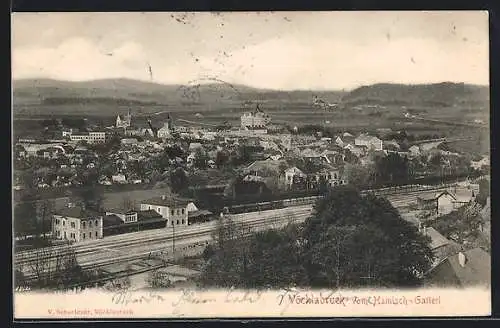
(462, 259)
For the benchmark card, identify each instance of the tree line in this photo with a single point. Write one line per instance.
(349, 241)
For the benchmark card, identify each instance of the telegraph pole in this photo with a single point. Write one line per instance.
(173, 240)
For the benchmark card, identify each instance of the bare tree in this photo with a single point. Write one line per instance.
(55, 268)
(44, 210)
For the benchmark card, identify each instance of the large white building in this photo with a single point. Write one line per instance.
(175, 211)
(92, 137)
(255, 120)
(74, 223)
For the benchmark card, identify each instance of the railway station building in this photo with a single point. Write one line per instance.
(173, 210)
(75, 223)
(118, 221)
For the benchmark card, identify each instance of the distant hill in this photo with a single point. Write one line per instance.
(444, 94)
(126, 92)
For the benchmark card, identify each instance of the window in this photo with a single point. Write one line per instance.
(172, 222)
(178, 211)
(72, 224)
(96, 223)
(96, 234)
(65, 235)
(172, 212)
(83, 225)
(182, 221)
(57, 221)
(64, 223)
(84, 235)
(183, 211)
(177, 221)
(90, 224)
(58, 233)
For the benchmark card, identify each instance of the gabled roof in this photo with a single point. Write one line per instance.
(308, 152)
(76, 212)
(436, 195)
(475, 272)
(437, 239)
(265, 165)
(148, 215)
(463, 196)
(294, 169)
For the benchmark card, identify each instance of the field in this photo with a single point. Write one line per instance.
(445, 105)
(115, 199)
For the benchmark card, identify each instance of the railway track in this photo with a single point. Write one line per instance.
(197, 238)
(25, 257)
(136, 238)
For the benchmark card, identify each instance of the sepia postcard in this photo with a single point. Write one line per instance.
(251, 164)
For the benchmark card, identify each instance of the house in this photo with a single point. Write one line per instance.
(485, 161)
(392, 145)
(75, 223)
(193, 146)
(370, 142)
(441, 246)
(356, 150)
(444, 202)
(199, 216)
(175, 211)
(119, 178)
(471, 268)
(129, 141)
(309, 153)
(462, 197)
(414, 151)
(266, 168)
(291, 174)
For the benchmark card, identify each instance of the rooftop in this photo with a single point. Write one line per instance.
(475, 272)
(365, 137)
(142, 216)
(77, 212)
(166, 201)
(437, 239)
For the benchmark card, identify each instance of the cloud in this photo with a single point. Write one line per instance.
(79, 59)
(283, 62)
(288, 64)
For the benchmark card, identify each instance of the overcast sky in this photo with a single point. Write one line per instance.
(281, 50)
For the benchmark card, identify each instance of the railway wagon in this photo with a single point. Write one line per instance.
(254, 207)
